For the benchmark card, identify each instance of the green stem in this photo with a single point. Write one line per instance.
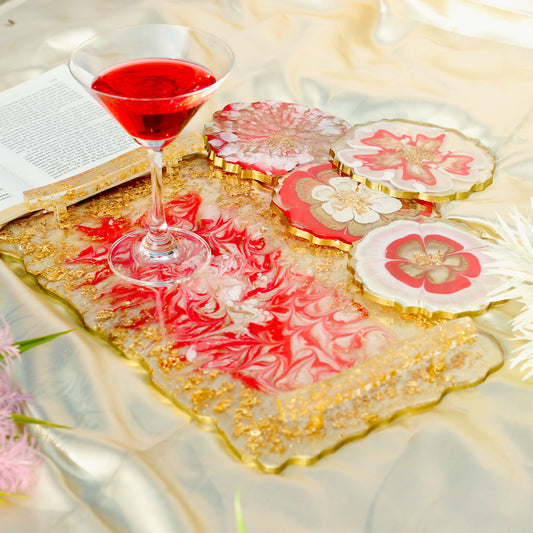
(31, 343)
(238, 512)
(23, 419)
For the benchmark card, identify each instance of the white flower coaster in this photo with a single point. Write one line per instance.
(318, 204)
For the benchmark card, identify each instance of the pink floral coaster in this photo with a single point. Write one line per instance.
(329, 209)
(414, 160)
(265, 140)
(433, 268)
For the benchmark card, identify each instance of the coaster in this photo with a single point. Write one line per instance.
(318, 204)
(433, 268)
(414, 160)
(265, 140)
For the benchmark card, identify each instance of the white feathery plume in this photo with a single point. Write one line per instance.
(512, 256)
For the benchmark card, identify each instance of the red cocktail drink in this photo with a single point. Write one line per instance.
(160, 96)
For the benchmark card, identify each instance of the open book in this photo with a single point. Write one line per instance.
(59, 146)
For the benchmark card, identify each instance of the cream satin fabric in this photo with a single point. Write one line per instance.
(132, 463)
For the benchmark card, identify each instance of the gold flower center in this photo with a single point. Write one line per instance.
(427, 260)
(415, 155)
(280, 139)
(351, 199)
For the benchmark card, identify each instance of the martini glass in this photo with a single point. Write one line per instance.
(153, 78)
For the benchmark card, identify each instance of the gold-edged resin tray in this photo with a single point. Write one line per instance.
(271, 346)
(406, 159)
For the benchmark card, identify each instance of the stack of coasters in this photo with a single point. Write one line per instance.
(434, 268)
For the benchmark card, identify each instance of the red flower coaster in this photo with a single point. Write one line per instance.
(329, 209)
(265, 140)
(433, 268)
(414, 160)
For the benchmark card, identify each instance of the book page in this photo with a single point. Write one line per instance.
(11, 189)
(53, 129)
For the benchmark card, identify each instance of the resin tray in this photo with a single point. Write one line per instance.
(272, 347)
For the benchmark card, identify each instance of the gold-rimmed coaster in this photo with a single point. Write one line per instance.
(414, 160)
(265, 140)
(318, 204)
(435, 268)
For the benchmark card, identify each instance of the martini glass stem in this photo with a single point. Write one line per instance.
(158, 241)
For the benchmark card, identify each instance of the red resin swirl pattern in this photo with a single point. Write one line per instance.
(250, 315)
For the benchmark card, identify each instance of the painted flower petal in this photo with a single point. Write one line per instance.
(323, 192)
(405, 247)
(406, 273)
(341, 214)
(433, 267)
(385, 204)
(444, 280)
(344, 184)
(415, 158)
(365, 217)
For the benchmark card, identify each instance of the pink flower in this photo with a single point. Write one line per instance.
(7, 425)
(18, 451)
(19, 457)
(8, 351)
(11, 399)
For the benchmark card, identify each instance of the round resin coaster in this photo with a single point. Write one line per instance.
(414, 160)
(434, 268)
(318, 204)
(265, 140)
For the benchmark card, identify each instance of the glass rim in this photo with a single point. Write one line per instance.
(189, 29)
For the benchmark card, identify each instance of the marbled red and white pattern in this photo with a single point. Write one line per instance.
(272, 137)
(249, 314)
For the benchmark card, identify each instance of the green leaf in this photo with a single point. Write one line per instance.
(238, 512)
(23, 419)
(31, 343)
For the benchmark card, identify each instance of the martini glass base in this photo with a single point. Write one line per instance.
(129, 259)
